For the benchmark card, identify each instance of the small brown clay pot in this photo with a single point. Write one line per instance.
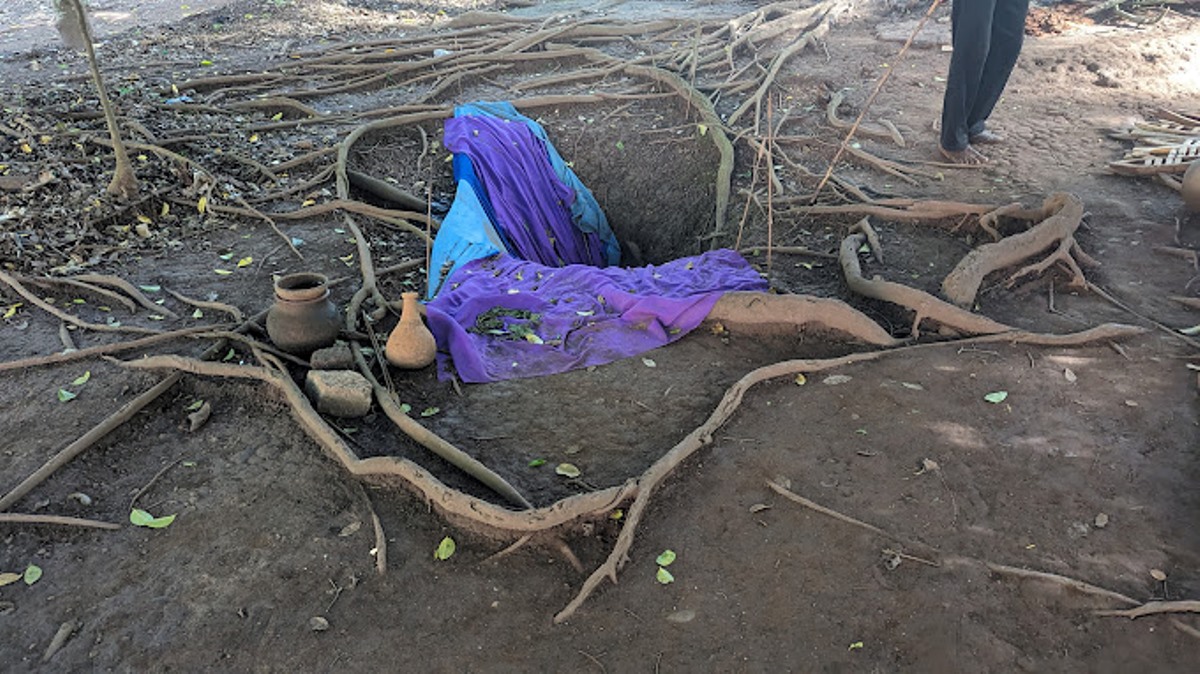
(411, 345)
(303, 318)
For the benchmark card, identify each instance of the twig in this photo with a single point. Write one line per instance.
(1066, 581)
(21, 518)
(154, 479)
(796, 498)
(210, 305)
(270, 221)
(380, 538)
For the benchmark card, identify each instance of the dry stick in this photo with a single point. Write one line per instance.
(21, 518)
(796, 498)
(1066, 581)
(145, 488)
(263, 216)
(103, 349)
(380, 538)
(1185, 628)
(1154, 608)
(210, 305)
(127, 288)
(88, 439)
(871, 99)
(62, 315)
(789, 250)
(65, 336)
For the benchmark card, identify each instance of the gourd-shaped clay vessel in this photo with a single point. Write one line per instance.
(411, 345)
(303, 318)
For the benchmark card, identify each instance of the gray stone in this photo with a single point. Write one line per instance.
(336, 357)
(341, 393)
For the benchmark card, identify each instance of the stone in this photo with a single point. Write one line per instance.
(340, 393)
(336, 357)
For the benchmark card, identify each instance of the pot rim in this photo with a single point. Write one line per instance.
(302, 286)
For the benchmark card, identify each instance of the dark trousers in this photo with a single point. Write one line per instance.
(987, 37)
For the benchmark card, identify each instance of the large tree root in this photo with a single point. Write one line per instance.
(1060, 216)
(922, 304)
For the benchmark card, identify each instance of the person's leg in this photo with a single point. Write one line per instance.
(971, 26)
(1007, 36)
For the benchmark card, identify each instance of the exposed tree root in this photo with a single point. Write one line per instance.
(922, 304)
(21, 518)
(105, 349)
(62, 315)
(765, 312)
(1060, 216)
(1154, 608)
(87, 440)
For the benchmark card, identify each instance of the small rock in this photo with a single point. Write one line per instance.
(1157, 574)
(1101, 521)
(340, 393)
(336, 357)
(1078, 530)
(683, 616)
(318, 624)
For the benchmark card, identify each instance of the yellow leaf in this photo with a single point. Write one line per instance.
(702, 128)
(246, 261)
(202, 204)
(12, 310)
(174, 90)
(277, 116)
(166, 210)
(45, 140)
(143, 158)
(254, 138)
(9, 578)
(143, 219)
(26, 149)
(306, 203)
(223, 272)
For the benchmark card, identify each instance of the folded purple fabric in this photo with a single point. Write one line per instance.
(502, 318)
(532, 205)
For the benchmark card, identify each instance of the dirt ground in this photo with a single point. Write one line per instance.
(1088, 468)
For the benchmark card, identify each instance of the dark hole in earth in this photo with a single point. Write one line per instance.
(651, 171)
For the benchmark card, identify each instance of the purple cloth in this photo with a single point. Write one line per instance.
(503, 318)
(532, 205)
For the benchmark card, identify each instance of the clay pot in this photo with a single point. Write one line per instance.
(1191, 187)
(411, 345)
(303, 318)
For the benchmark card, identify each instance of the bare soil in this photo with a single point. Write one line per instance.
(271, 534)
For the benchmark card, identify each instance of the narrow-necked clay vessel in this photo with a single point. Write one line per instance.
(303, 318)
(411, 345)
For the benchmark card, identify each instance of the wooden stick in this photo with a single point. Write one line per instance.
(129, 289)
(21, 518)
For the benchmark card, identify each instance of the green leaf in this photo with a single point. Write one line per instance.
(620, 145)
(196, 404)
(430, 411)
(567, 470)
(856, 646)
(141, 518)
(663, 576)
(32, 573)
(9, 578)
(405, 407)
(65, 396)
(151, 289)
(229, 356)
(445, 549)
(996, 397)
(537, 462)
(197, 314)
(82, 379)
(665, 558)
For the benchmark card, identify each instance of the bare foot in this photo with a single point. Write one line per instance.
(967, 156)
(986, 137)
